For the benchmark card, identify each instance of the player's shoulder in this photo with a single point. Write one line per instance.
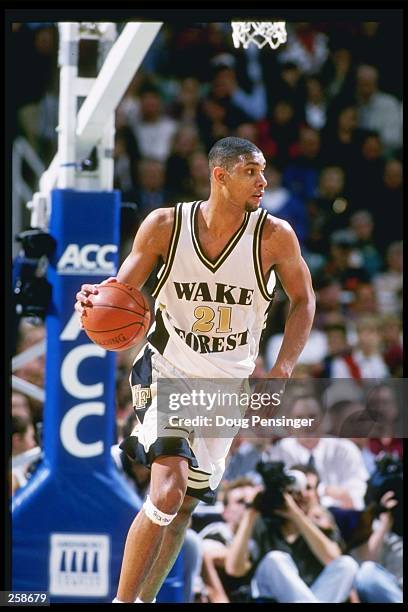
(161, 217)
(278, 237)
(164, 217)
(277, 227)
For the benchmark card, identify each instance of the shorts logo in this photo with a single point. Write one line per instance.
(140, 396)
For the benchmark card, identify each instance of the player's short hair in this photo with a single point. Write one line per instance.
(227, 152)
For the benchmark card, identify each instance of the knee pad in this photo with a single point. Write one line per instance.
(155, 515)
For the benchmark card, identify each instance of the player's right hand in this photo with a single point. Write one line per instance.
(82, 297)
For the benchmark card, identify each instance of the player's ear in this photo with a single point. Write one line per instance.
(219, 175)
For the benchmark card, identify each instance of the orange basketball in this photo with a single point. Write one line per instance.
(118, 318)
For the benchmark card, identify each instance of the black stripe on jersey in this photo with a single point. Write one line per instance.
(159, 336)
(214, 265)
(175, 234)
(257, 257)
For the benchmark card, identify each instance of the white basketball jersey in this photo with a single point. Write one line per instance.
(210, 314)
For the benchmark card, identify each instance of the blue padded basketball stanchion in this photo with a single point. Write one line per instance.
(69, 523)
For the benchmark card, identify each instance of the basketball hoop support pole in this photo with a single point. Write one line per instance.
(93, 125)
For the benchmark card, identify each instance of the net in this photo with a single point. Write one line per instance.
(259, 33)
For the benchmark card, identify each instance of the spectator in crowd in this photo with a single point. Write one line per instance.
(289, 84)
(313, 352)
(301, 175)
(383, 407)
(388, 284)
(20, 405)
(186, 142)
(33, 52)
(339, 352)
(197, 186)
(341, 468)
(128, 111)
(365, 182)
(364, 301)
(391, 340)
(191, 49)
(339, 147)
(243, 459)
(306, 47)
(217, 538)
(125, 155)
(388, 227)
(184, 108)
(329, 306)
(379, 578)
(367, 354)
(150, 192)
(315, 106)
(30, 334)
(328, 209)
(343, 264)
(378, 110)
(297, 555)
(337, 72)
(373, 38)
(225, 86)
(278, 134)
(279, 202)
(212, 121)
(225, 90)
(24, 450)
(153, 129)
(362, 227)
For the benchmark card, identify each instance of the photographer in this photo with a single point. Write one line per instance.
(296, 546)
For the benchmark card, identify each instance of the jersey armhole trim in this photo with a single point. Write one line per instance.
(257, 257)
(175, 234)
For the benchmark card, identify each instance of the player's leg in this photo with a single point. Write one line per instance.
(145, 537)
(171, 545)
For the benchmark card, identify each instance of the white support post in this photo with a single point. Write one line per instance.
(116, 73)
(121, 64)
(105, 151)
(68, 62)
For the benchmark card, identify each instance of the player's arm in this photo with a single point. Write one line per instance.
(151, 242)
(283, 251)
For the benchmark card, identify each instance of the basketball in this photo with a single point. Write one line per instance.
(119, 316)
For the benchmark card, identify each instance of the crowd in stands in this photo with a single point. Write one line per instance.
(326, 110)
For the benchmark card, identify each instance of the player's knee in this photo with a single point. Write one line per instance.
(168, 497)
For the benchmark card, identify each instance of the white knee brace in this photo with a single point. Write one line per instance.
(156, 515)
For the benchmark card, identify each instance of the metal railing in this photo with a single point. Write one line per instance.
(23, 153)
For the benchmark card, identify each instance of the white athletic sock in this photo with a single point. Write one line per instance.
(140, 601)
(116, 600)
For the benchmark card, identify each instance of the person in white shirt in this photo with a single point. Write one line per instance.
(378, 110)
(343, 475)
(153, 130)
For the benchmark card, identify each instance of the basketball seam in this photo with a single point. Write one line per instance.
(119, 308)
(103, 331)
(117, 286)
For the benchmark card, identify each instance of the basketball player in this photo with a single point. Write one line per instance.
(220, 259)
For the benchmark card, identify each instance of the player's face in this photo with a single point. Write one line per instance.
(247, 182)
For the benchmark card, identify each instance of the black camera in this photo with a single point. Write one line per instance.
(388, 476)
(277, 480)
(31, 290)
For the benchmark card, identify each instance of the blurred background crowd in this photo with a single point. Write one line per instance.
(326, 110)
